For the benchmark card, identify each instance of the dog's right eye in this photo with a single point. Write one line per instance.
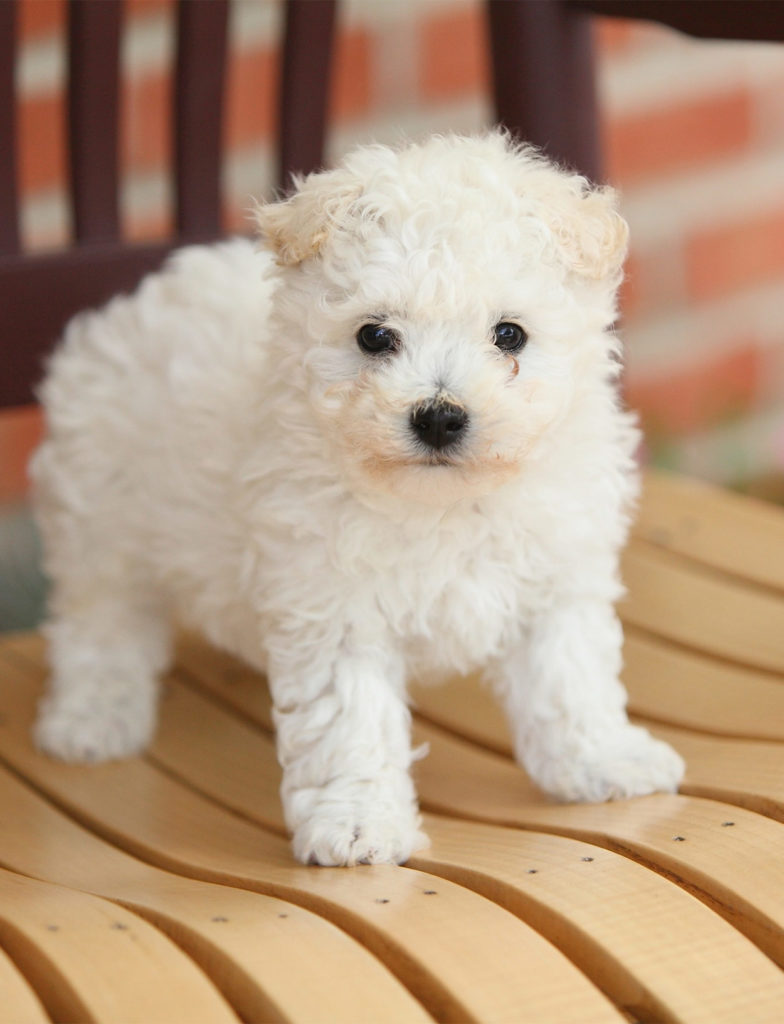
(376, 338)
(509, 337)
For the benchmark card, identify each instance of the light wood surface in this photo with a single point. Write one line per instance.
(20, 1002)
(736, 534)
(163, 888)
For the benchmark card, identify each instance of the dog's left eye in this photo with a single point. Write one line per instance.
(376, 338)
(509, 337)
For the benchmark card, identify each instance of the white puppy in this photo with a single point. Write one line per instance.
(387, 443)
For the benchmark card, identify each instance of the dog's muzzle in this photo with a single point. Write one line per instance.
(439, 425)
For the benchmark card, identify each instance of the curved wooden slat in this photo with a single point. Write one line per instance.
(615, 919)
(93, 118)
(666, 684)
(272, 959)
(749, 773)
(697, 843)
(727, 531)
(684, 837)
(459, 779)
(89, 960)
(647, 903)
(686, 689)
(454, 768)
(675, 598)
(744, 772)
(461, 955)
(20, 1003)
(467, 708)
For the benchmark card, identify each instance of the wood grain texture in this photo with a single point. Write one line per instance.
(679, 600)
(92, 960)
(463, 957)
(20, 1002)
(666, 908)
(727, 531)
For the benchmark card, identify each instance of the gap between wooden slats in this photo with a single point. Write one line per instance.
(198, 117)
(9, 206)
(93, 118)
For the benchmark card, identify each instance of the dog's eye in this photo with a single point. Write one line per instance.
(376, 338)
(509, 337)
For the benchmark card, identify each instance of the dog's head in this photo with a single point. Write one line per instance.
(448, 301)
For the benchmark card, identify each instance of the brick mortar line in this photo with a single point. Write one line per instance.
(676, 338)
(735, 190)
(683, 71)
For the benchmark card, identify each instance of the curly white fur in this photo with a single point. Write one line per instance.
(221, 453)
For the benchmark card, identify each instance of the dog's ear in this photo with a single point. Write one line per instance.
(297, 227)
(590, 234)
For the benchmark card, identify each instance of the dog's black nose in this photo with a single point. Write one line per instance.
(440, 424)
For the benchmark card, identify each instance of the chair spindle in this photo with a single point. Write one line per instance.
(198, 116)
(304, 85)
(93, 118)
(9, 192)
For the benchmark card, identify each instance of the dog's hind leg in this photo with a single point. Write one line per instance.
(107, 648)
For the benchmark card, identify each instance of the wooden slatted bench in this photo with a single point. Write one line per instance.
(162, 889)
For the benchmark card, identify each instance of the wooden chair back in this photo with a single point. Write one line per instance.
(40, 292)
(543, 69)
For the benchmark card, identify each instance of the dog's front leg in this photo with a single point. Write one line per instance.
(567, 709)
(343, 734)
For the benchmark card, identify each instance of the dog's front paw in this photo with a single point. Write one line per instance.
(93, 731)
(629, 762)
(357, 837)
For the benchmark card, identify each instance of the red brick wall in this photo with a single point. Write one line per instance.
(693, 135)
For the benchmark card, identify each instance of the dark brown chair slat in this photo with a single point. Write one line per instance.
(93, 106)
(40, 293)
(709, 19)
(543, 79)
(304, 86)
(198, 116)
(542, 61)
(9, 208)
